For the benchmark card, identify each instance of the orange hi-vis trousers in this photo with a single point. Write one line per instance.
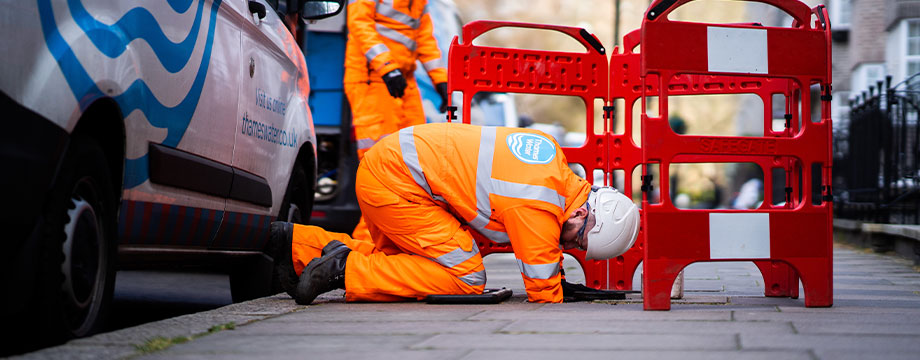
(376, 114)
(416, 249)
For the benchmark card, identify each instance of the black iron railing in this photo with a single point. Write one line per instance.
(877, 157)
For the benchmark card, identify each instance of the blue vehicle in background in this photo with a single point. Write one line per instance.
(335, 205)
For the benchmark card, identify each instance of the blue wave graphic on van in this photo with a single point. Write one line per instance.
(180, 6)
(138, 23)
(138, 95)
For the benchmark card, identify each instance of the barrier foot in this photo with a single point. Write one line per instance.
(657, 280)
(780, 279)
(817, 279)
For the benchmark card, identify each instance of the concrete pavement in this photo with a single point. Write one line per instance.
(876, 314)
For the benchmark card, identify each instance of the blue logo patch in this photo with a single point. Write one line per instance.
(531, 148)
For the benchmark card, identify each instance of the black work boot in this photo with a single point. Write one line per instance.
(280, 246)
(323, 274)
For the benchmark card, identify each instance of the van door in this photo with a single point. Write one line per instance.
(266, 143)
(179, 127)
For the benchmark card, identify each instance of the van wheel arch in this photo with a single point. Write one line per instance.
(78, 243)
(306, 162)
(248, 280)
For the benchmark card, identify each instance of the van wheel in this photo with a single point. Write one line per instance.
(298, 198)
(255, 278)
(77, 270)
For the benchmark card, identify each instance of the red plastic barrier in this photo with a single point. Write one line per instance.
(677, 62)
(626, 83)
(797, 233)
(474, 68)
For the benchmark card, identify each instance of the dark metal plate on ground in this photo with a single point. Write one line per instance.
(488, 296)
(601, 295)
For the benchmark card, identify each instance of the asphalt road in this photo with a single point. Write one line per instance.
(146, 296)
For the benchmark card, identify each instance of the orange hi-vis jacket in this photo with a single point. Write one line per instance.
(384, 35)
(507, 184)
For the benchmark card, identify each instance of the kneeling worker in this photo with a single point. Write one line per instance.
(425, 191)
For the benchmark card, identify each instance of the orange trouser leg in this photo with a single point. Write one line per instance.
(412, 113)
(376, 114)
(308, 242)
(428, 250)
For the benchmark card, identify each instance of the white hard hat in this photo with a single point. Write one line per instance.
(616, 223)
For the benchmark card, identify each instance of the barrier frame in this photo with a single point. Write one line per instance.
(474, 69)
(802, 55)
(630, 76)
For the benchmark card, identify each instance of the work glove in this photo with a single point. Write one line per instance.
(442, 90)
(396, 83)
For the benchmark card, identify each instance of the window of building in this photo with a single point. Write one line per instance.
(840, 14)
(912, 56)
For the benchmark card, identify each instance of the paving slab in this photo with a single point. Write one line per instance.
(872, 329)
(309, 327)
(860, 342)
(633, 354)
(244, 343)
(337, 354)
(647, 327)
(581, 341)
(835, 354)
(83, 352)
(860, 318)
(723, 315)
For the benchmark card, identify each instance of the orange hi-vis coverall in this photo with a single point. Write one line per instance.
(385, 35)
(426, 191)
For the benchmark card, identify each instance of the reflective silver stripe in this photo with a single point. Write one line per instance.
(365, 143)
(433, 64)
(387, 10)
(457, 256)
(475, 279)
(540, 271)
(528, 192)
(479, 223)
(375, 51)
(396, 36)
(352, 1)
(410, 157)
(484, 187)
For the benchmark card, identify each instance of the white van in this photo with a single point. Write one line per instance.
(141, 133)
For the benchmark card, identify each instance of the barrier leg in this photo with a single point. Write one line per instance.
(622, 269)
(817, 279)
(780, 279)
(595, 272)
(657, 279)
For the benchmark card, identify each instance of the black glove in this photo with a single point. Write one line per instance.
(442, 90)
(396, 83)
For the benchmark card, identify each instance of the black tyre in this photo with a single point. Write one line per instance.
(255, 278)
(298, 198)
(77, 267)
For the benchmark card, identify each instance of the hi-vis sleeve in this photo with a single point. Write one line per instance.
(362, 28)
(428, 53)
(534, 237)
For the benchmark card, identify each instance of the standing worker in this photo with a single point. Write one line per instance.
(424, 194)
(385, 38)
